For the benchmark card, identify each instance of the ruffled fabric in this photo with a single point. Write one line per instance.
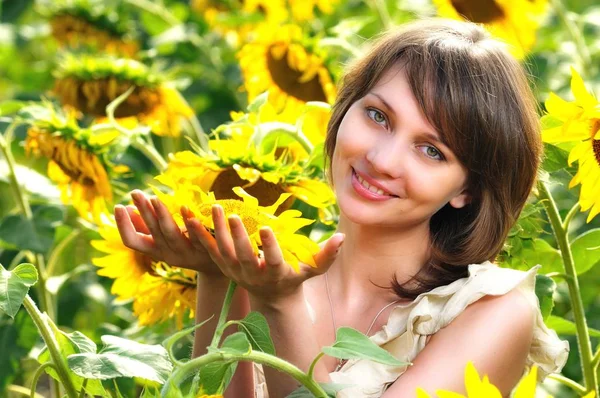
(410, 325)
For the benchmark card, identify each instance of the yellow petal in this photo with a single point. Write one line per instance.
(526, 387)
(583, 97)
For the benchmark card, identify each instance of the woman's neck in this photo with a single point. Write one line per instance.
(372, 255)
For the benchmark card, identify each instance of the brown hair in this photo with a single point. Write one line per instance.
(478, 99)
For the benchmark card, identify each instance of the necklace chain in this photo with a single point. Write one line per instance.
(341, 362)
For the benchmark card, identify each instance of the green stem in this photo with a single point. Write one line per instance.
(311, 370)
(282, 128)
(570, 216)
(583, 335)
(568, 382)
(262, 358)
(36, 376)
(83, 385)
(5, 147)
(596, 359)
(22, 390)
(575, 33)
(150, 152)
(558, 275)
(156, 9)
(57, 251)
(341, 43)
(59, 362)
(223, 316)
(383, 13)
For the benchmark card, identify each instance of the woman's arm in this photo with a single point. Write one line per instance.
(494, 333)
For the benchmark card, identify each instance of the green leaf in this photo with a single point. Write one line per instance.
(586, 250)
(123, 358)
(544, 289)
(14, 286)
(555, 158)
(563, 326)
(170, 341)
(215, 377)
(17, 338)
(256, 328)
(258, 102)
(330, 388)
(350, 343)
(11, 106)
(68, 344)
(550, 122)
(36, 234)
(236, 343)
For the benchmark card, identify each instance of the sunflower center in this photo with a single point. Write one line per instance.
(143, 262)
(266, 192)
(480, 11)
(288, 79)
(251, 217)
(596, 143)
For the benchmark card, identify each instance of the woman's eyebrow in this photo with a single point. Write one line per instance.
(432, 136)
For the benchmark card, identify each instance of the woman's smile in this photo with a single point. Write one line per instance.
(369, 189)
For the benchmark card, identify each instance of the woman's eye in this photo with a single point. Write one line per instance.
(376, 116)
(433, 152)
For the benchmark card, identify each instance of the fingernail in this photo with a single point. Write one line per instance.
(135, 196)
(155, 203)
(185, 212)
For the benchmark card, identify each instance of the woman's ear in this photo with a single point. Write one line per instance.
(461, 200)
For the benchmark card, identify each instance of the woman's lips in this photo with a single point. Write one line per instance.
(366, 193)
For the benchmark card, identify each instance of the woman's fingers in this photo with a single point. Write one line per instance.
(223, 236)
(147, 212)
(129, 236)
(171, 232)
(271, 250)
(137, 220)
(328, 253)
(241, 243)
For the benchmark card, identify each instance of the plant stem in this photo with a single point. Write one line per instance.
(150, 152)
(58, 361)
(223, 316)
(381, 8)
(570, 216)
(568, 382)
(255, 356)
(596, 358)
(36, 376)
(56, 252)
(22, 390)
(583, 335)
(311, 370)
(5, 147)
(156, 9)
(575, 33)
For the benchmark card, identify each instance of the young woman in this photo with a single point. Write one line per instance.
(433, 149)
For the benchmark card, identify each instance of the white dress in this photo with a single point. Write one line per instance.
(410, 325)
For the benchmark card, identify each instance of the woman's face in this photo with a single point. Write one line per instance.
(389, 167)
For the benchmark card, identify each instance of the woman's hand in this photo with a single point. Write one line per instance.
(266, 278)
(153, 232)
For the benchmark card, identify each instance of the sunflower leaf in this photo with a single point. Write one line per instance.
(236, 343)
(565, 327)
(123, 358)
(215, 377)
(586, 250)
(14, 286)
(256, 328)
(35, 234)
(544, 289)
(350, 343)
(555, 158)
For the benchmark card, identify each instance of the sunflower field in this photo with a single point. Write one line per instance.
(227, 101)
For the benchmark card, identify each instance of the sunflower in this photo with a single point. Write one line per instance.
(168, 293)
(122, 264)
(578, 121)
(88, 24)
(159, 292)
(482, 388)
(515, 22)
(90, 83)
(78, 160)
(238, 19)
(295, 248)
(265, 173)
(281, 61)
(302, 10)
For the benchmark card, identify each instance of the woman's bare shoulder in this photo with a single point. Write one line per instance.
(495, 333)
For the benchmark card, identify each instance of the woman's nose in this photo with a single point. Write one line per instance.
(388, 158)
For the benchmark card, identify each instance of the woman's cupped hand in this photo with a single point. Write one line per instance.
(268, 276)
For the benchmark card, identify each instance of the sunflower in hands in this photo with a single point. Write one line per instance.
(238, 239)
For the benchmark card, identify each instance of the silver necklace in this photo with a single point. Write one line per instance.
(341, 362)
